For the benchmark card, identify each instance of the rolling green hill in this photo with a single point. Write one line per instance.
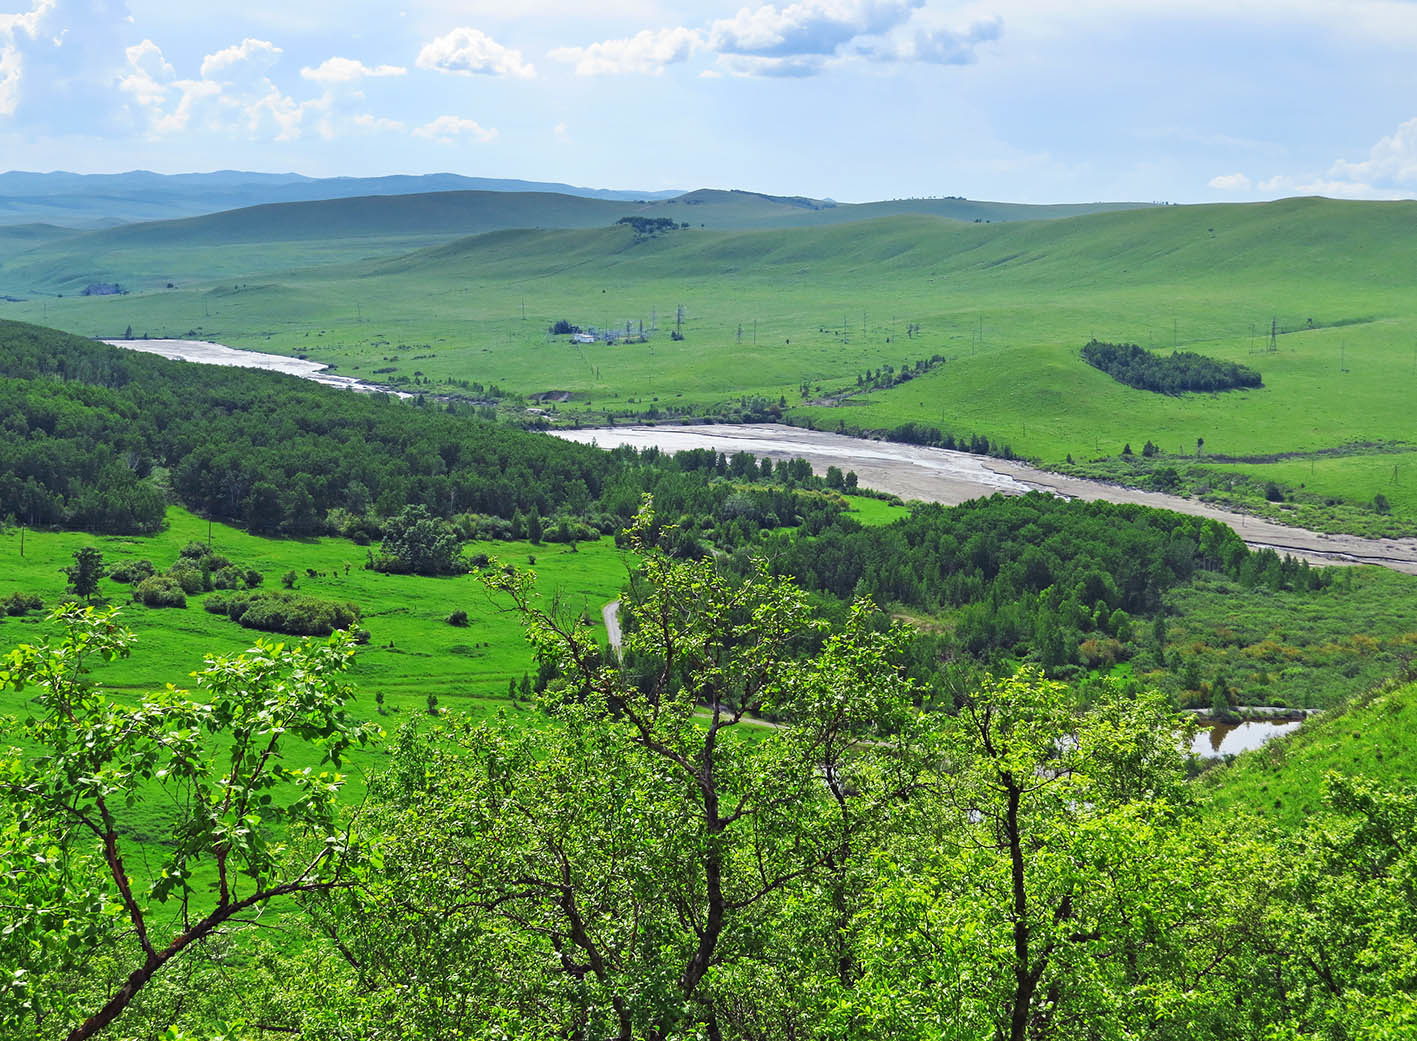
(97, 200)
(304, 233)
(801, 314)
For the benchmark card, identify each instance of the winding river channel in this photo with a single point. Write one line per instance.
(937, 475)
(910, 471)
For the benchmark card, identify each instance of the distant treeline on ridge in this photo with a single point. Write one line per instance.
(1177, 373)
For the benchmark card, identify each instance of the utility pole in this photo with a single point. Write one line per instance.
(22, 540)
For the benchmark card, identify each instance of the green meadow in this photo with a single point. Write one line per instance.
(796, 314)
(412, 651)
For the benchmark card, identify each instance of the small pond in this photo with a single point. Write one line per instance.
(1214, 740)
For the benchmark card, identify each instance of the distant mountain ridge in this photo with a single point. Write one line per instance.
(91, 201)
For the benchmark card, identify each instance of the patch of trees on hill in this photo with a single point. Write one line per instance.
(1177, 373)
(647, 226)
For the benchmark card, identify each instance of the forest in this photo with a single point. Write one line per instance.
(649, 863)
(1176, 373)
(97, 436)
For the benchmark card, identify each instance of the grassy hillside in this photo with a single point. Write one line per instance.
(1371, 737)
(799, 314)
(346, 228)
(412, 651)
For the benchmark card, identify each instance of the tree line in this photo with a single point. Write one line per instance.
(96, 438)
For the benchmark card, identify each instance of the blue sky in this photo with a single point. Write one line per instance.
(1026, 100)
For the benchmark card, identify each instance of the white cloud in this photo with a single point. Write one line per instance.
(347, 70)
(470, 51)
(150, 75)
(1391, 163)
(561, 132)
(233, 93)
(799, 39)
(793, 67)
(807, 27)
(1235, 182)
(365, 121)
(12, 69)
(247, 60)
(937, 46)
(447, 129)
(647, 52)
(1389, 172)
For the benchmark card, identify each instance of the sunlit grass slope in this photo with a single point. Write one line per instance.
(1283, 781)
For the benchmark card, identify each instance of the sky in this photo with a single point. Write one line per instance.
(1017, 100)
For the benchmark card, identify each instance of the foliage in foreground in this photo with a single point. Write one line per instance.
(654, 863)
(91, 920)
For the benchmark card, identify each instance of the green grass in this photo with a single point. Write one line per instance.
(1008, 304)
(875, 512)
(1282, 781)
(412, 651)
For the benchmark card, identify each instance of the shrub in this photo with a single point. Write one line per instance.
(291, 613)
(133, 571)
(229, 578)
(160, 591)
(194, 551)
(22, 603)
(191, 578)
(457, 618)
(253, 578)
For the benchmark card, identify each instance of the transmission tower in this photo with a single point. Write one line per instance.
(1273, 335)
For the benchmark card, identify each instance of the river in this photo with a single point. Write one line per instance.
(938, 475)
(205, 353)
(910, 471)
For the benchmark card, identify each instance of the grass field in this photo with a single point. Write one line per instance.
(798, 314)
(412, 651)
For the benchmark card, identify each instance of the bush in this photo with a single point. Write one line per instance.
(229, 578)
(21, 603)
(133, 571)
(291, 613)
(253, 578)
(192, 579)
(457, 618)
(194, 551)
(160, 591)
